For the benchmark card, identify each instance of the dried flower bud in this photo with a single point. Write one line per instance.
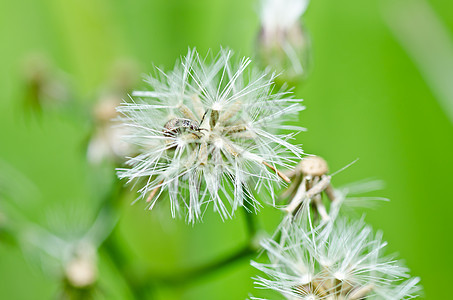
(309, 181)
(312, 166)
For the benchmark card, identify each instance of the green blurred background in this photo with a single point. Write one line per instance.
(365, 99)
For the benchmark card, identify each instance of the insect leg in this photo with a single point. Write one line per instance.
(204, 116)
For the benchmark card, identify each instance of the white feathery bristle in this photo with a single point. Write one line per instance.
(206, 126)
(340, 260)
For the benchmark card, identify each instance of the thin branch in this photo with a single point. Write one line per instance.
(187, 276)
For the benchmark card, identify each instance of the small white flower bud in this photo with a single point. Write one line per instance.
(81, 269)
(81, 272)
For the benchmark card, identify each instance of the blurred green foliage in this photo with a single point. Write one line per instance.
(365, 99)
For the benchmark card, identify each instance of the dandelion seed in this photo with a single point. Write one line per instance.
(206, 129)
(67, 247)
(339, 260)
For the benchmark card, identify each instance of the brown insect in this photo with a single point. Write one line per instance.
(177, 126)
(173, 128)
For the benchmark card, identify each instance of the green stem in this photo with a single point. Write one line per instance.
(139, 291)
(111, 245)
(251, 223)
(191, 275)
(251, 219)
(140, 286)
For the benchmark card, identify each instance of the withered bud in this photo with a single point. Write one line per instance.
(312, 166)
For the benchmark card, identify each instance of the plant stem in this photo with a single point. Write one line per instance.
(191, 275)
(251, 223)
(250, 218)
(140, 286)
(111, 245)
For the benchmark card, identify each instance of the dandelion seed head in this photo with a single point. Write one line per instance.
(207, 128)
(343, 260)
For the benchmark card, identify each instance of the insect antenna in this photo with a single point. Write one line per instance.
(204, 116)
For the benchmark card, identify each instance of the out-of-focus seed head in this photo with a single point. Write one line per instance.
(283, 42)
(106, 143)
(45, 86)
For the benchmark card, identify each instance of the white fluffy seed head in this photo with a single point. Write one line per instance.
(343, 260)
(205, 130)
